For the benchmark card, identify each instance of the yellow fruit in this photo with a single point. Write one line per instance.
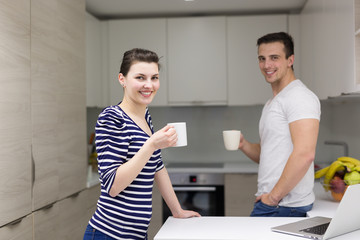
(334, 167)
(320, 173)
(354, 161)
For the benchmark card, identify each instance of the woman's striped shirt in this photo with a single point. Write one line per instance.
(118, 139)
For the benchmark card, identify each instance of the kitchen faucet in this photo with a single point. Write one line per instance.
(339, 143)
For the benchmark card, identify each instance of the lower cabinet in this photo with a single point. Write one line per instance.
(45, 222)
(63, 220)
(156, 220)
(240, 189)
(19, 230)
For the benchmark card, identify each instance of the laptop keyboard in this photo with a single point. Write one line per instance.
(319, 229)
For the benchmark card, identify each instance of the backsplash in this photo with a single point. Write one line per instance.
(340, 121)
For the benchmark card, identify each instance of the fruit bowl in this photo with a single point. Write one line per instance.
(336, 192)
(339, 175)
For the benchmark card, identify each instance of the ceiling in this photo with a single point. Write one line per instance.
(110, 9)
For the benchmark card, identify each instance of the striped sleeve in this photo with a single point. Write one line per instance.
(112, 143)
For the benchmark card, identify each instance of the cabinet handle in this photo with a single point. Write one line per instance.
(15, 222)
(32, 166)
(74, 195)
(197, 102)
(47, 206)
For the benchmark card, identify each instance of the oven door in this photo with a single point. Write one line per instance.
(206, 200)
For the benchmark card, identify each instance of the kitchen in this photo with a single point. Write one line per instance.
(339, 119)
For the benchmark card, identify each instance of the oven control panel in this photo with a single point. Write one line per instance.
(197, 178)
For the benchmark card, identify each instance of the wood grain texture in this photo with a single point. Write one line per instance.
(240, 192)
(15, 121)
(44, 87)
(71, 96)
(22, 230)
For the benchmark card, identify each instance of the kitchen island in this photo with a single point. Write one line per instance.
(231, 228)
(228, 228)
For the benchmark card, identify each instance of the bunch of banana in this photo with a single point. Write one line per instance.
(342, 163)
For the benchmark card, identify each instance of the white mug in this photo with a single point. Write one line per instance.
(180, 128)
(231, 139)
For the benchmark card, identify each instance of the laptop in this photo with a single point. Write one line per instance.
(345, 220)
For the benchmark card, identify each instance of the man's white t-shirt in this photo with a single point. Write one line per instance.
(292, 103)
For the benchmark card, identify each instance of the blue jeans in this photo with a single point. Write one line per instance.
(263, 210)
(93, 234)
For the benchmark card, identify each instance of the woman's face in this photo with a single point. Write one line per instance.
(141, 83)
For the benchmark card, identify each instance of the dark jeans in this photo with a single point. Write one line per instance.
(263, 210)
(93, 234)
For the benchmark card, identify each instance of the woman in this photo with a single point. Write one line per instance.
(129, 156)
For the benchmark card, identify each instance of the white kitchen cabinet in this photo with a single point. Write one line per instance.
(247, 85)
(240, 192)
(15, 117)
(19, 230)
(94, 63)
(136, 33)
(197, 61)
(356, 88)
(328, 47)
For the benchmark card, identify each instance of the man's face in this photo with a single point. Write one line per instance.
(273, 62)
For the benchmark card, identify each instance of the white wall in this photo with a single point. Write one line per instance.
(339, 121)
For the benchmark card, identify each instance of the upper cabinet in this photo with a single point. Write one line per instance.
(135, 33)
(204, 60)
(15, 118)
(44, 87)
(247, 85)
(328, 47)
(197, 61)
(357, 44)
(94, 62)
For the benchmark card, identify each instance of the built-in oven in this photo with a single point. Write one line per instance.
(201, 192)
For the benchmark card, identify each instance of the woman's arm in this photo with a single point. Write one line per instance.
(164, 185)
(127, 172)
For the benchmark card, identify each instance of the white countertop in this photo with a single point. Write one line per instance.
(92, 178)
(230, 228)
(324, 205)
(254, 228)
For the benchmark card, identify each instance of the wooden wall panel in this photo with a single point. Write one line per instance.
(15, 121)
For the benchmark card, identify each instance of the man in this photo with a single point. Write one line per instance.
(288, 129)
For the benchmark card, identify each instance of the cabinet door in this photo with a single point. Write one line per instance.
(94, 65)
(92, 196)
(247, 85)
(136, 33)
(46, 222)
(44, 87)
(21, 230)
(15, 118)
(240, 192)
(71, 97)
(156, 219)
(328, 68)
(197, 61)
(72, 217)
